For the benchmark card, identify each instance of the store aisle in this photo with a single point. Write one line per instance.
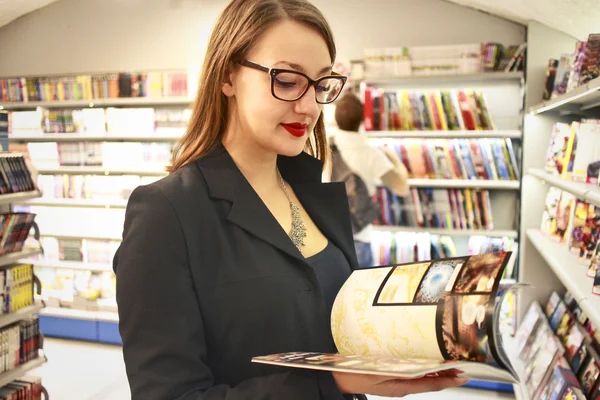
(102, 375)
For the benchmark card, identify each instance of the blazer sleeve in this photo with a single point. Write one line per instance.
(161, 326)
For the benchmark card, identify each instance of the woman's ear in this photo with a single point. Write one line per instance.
(228, 87)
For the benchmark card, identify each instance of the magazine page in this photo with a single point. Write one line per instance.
(439, 312)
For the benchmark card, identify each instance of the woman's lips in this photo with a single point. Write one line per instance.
(296, 129)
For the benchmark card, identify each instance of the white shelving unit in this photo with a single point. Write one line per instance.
(88, 170)
(19, 197)
(447, 78)
(580, 99)
(12, 258)
(446, 232)
(83, 203)
(16, 373)
(105, 316)
(511, 134)
(75, 265)
(464, 184)
(124, 101)
(88, 137)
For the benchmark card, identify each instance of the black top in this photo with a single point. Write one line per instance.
(332, 269)
(207, 279)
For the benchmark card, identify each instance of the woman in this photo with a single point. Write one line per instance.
(241, 250)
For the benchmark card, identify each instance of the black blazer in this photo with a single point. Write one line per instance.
(208, 279)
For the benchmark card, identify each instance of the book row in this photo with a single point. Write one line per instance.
(111, 120)
(574, 151)
(117, 155)
(91, 87)
(77, 250)
(442, 60)
(28, 387)
(405, 247)
(452, 209)
(491, 159)
(14, 230)
(78, 289)
(19, 343)
(15, 177)
(573, 69)
(91, 187)
(16, 287)
(577, 224)
(390, 110)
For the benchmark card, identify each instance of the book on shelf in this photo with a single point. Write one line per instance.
(429, 110)
(550, 77)
(562, 74)
(140, 121)
(28, 387)
(590, 68)
(15, 176)
(451, 209)
(16, 287)
(596, 287)
(572, 346)
(4, 130)
(450, 313)
(14, 231)
(472, 159)
(20, 343)
(153, 84)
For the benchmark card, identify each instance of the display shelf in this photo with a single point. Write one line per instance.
(81, 203)
(581, 190)
(77, 265)
(59, 235)
(569, 271)
(441, 231)
(120, 101)
(72, 313)
(19, 197)
(464, 184)
(15, 373)
(513, 134)
(580, 99)
(482, 76)
(7, 319)
(12, 258)
(86, 137)
(86, 170)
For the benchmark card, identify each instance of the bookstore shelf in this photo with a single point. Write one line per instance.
(104, 316)
(584, 191)
(483, 76)
(446, 232)
(464, 184)
(75, 265)
(21, 370)
(87, 170)
(510, 345)
(569, 271)
(512, 134)
(81, 203)
(119, 101)
(85, 137)
(19, 197)
(7, 319)
(582, 98)
(12, 258)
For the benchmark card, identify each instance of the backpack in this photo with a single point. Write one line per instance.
(363, 210)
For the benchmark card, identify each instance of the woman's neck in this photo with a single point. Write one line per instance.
(256, 164)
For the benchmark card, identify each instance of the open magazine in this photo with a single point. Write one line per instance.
(422, 319)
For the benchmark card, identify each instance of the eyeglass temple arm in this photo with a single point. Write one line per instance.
(250, 64)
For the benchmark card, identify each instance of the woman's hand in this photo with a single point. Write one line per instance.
(386, 386)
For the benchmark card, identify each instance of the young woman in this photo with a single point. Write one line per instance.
(241, 250)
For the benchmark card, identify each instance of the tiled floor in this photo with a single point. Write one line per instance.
(101, 376)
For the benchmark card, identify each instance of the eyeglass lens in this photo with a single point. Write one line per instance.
(290, 86)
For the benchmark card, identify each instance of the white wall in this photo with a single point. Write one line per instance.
(114, 35)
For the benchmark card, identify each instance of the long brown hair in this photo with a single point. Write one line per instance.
(239, 25)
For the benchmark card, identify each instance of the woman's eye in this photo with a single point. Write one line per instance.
(283, 83)
(322, 88)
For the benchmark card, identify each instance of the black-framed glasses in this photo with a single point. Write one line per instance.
(290, 85)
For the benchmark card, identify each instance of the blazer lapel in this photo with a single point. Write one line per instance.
(225, 181)
(327, 204)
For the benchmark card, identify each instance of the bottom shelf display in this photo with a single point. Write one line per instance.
(93, 326)
(24, 386)
(556, 352)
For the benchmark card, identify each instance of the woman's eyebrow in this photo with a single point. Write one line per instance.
(302, 69)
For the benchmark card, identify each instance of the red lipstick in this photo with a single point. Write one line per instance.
(296, 129)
